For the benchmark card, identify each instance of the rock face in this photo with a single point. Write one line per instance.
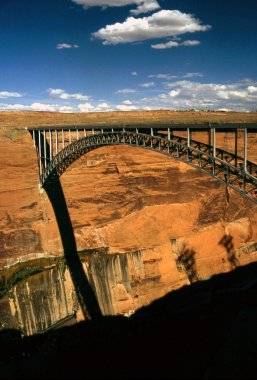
(39, 301)
(151, 224)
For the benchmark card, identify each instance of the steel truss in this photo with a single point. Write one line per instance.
(228, 168)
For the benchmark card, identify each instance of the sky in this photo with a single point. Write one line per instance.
(121, 55)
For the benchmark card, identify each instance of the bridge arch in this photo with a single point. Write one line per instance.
(226, 167)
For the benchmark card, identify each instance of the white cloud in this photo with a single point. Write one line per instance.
(62, 94)
(165, 23)
(174, 93)
(126, 91)
(190, 43)
(7, 94)
(166, 45)
(252, 89)
(142, 6)
(191, 75)
(162, 76)
(185, 94)
(66, 46)
(103, 107)
(43, 107)
(145, 6)
(147, 85)
(12, 107)
(124, 107)
(30, 107)
(85, 107)
(170, 44)
(66, 109)
(134, 73)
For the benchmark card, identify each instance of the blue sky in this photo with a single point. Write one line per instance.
(101, 55)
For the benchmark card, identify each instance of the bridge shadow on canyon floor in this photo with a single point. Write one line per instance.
(85, 294)
(205, 330)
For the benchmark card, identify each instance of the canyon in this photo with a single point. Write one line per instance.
(139, 217)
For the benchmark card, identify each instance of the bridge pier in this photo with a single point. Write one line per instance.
(245, 149)
(236, 146)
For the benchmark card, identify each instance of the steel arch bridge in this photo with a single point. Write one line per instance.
(58, 147)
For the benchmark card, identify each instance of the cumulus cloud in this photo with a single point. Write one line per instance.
(145, 7)
(170, 44)
(162, 24)
(252, 89)
(125, 107)
(89, 107)
(185, 94)
(7, 94)
(43, 107)
(29, 107)
(12, 107)
(62, 94)
(142, 6)
(85, 107)
(126, 91)
(176, 94)
(66, 109)
(66, 46)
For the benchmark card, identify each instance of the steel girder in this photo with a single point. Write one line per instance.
(224, 166)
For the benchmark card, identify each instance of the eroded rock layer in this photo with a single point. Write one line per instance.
(151, 224)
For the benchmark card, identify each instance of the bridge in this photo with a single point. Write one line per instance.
(58, 147)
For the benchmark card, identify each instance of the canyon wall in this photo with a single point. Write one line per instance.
(145, 224)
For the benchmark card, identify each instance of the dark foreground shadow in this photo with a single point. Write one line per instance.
(205, 330)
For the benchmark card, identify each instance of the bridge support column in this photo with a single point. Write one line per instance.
(62, 139)
(214, 149)
(209, 140)
(44, 133)
(40, 152)
(168, 140)
(56, 141)
(214, 142)
(33, 136)
(188, 142)
(50, 144)
(245, 149)
(236, 148)
(77, 134)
